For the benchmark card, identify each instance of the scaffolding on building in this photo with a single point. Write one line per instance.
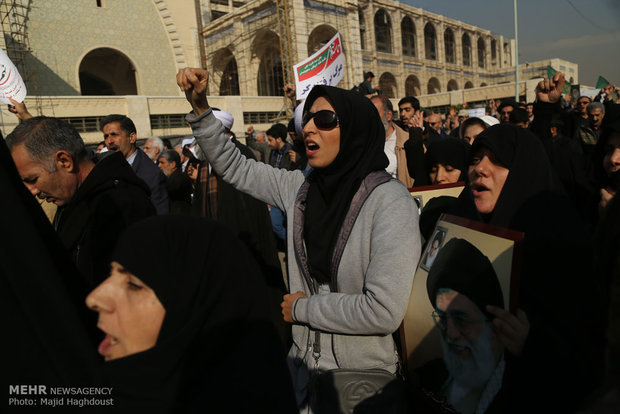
(285, 32)
(14, 16)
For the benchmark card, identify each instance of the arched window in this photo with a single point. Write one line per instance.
(469, 85)
(319, 37)
(483, 84)
(407, 29)
(430, 42)
(383, 32)
(481, 53)
(224, 69)
(266, 47)
(448, 38)
(360, 16)
(387, 84)
(106, 71)
(466, 50)
(229, 85)
(452, 85)
(412, 86)
(434, 86)
(494, 51)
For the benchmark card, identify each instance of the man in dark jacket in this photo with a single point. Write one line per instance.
(178, 184)
(119, 133)
(96, 201)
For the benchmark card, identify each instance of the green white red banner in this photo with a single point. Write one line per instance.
(325, 67)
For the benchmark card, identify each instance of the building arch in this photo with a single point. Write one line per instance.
(482, 50)
(266, 48)
(483, 84)
(469, 85)
(466, 45)
(383, 31)
(172, 32)
(407, 30)
(493, 51)
(225, 68)
(412, 86)
(319, 37)
(107, 71)
(430, 41)
(362, 22)
(450, 47)
(452, 85)
(433, 85)
(387, 84)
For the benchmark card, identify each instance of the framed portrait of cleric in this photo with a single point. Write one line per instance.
(447, 323)
(433, 247)
(425, 193)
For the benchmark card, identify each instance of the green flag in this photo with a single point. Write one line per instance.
(567, 84)
(601, 82)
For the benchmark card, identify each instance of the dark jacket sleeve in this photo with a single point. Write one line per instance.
(414, 150)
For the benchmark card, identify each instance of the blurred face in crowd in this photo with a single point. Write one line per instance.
(167, 167)
(100, 147)
(471, 349)
(504, 114)
(274, 143)
(130, 314)
(322, 145)
(530, 110)
(118, 140)
(596, 117)
(611, 160)
(406, 112)
(57, 186)
(582, 104)
(471, 132)
(260, 137)
(386, 117)
(434, 121)
(486, 180)
(444, 174)
(151, 150)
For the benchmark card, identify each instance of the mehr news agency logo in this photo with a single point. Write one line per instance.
(44, 396)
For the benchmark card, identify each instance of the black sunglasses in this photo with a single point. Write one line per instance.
(322, 119)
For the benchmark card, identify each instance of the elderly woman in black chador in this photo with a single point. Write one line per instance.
(550, 341)
(186, 323)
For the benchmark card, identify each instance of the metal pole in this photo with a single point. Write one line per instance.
(516, 54)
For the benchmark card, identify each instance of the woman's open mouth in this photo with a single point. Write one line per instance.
(311, 147)
(105, 345)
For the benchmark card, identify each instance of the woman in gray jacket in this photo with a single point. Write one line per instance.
(352, 238)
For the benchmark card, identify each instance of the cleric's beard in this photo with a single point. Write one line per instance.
(475, 371)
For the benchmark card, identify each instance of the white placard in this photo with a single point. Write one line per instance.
(325, 67)
(11, 82)
(476, 112)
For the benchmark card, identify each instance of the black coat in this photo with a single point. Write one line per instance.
(179, 188)
(110, 198)
(146, 169)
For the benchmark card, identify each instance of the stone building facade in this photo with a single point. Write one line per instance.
(411, 51)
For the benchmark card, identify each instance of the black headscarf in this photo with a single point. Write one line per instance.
(362, 141)
(449, 151)
(216, 349)
(530, 173)
(460, 266)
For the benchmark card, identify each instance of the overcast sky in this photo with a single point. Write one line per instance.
(588, 36)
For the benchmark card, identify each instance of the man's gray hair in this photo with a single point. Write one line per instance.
(44, 136)
(157, 143)
(170, 156)
(595, 105)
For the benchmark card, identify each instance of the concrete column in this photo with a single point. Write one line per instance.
(138, 111)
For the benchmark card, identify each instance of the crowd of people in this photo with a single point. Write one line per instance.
(175, 249)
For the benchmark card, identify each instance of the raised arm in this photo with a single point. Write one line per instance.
(268, 184)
